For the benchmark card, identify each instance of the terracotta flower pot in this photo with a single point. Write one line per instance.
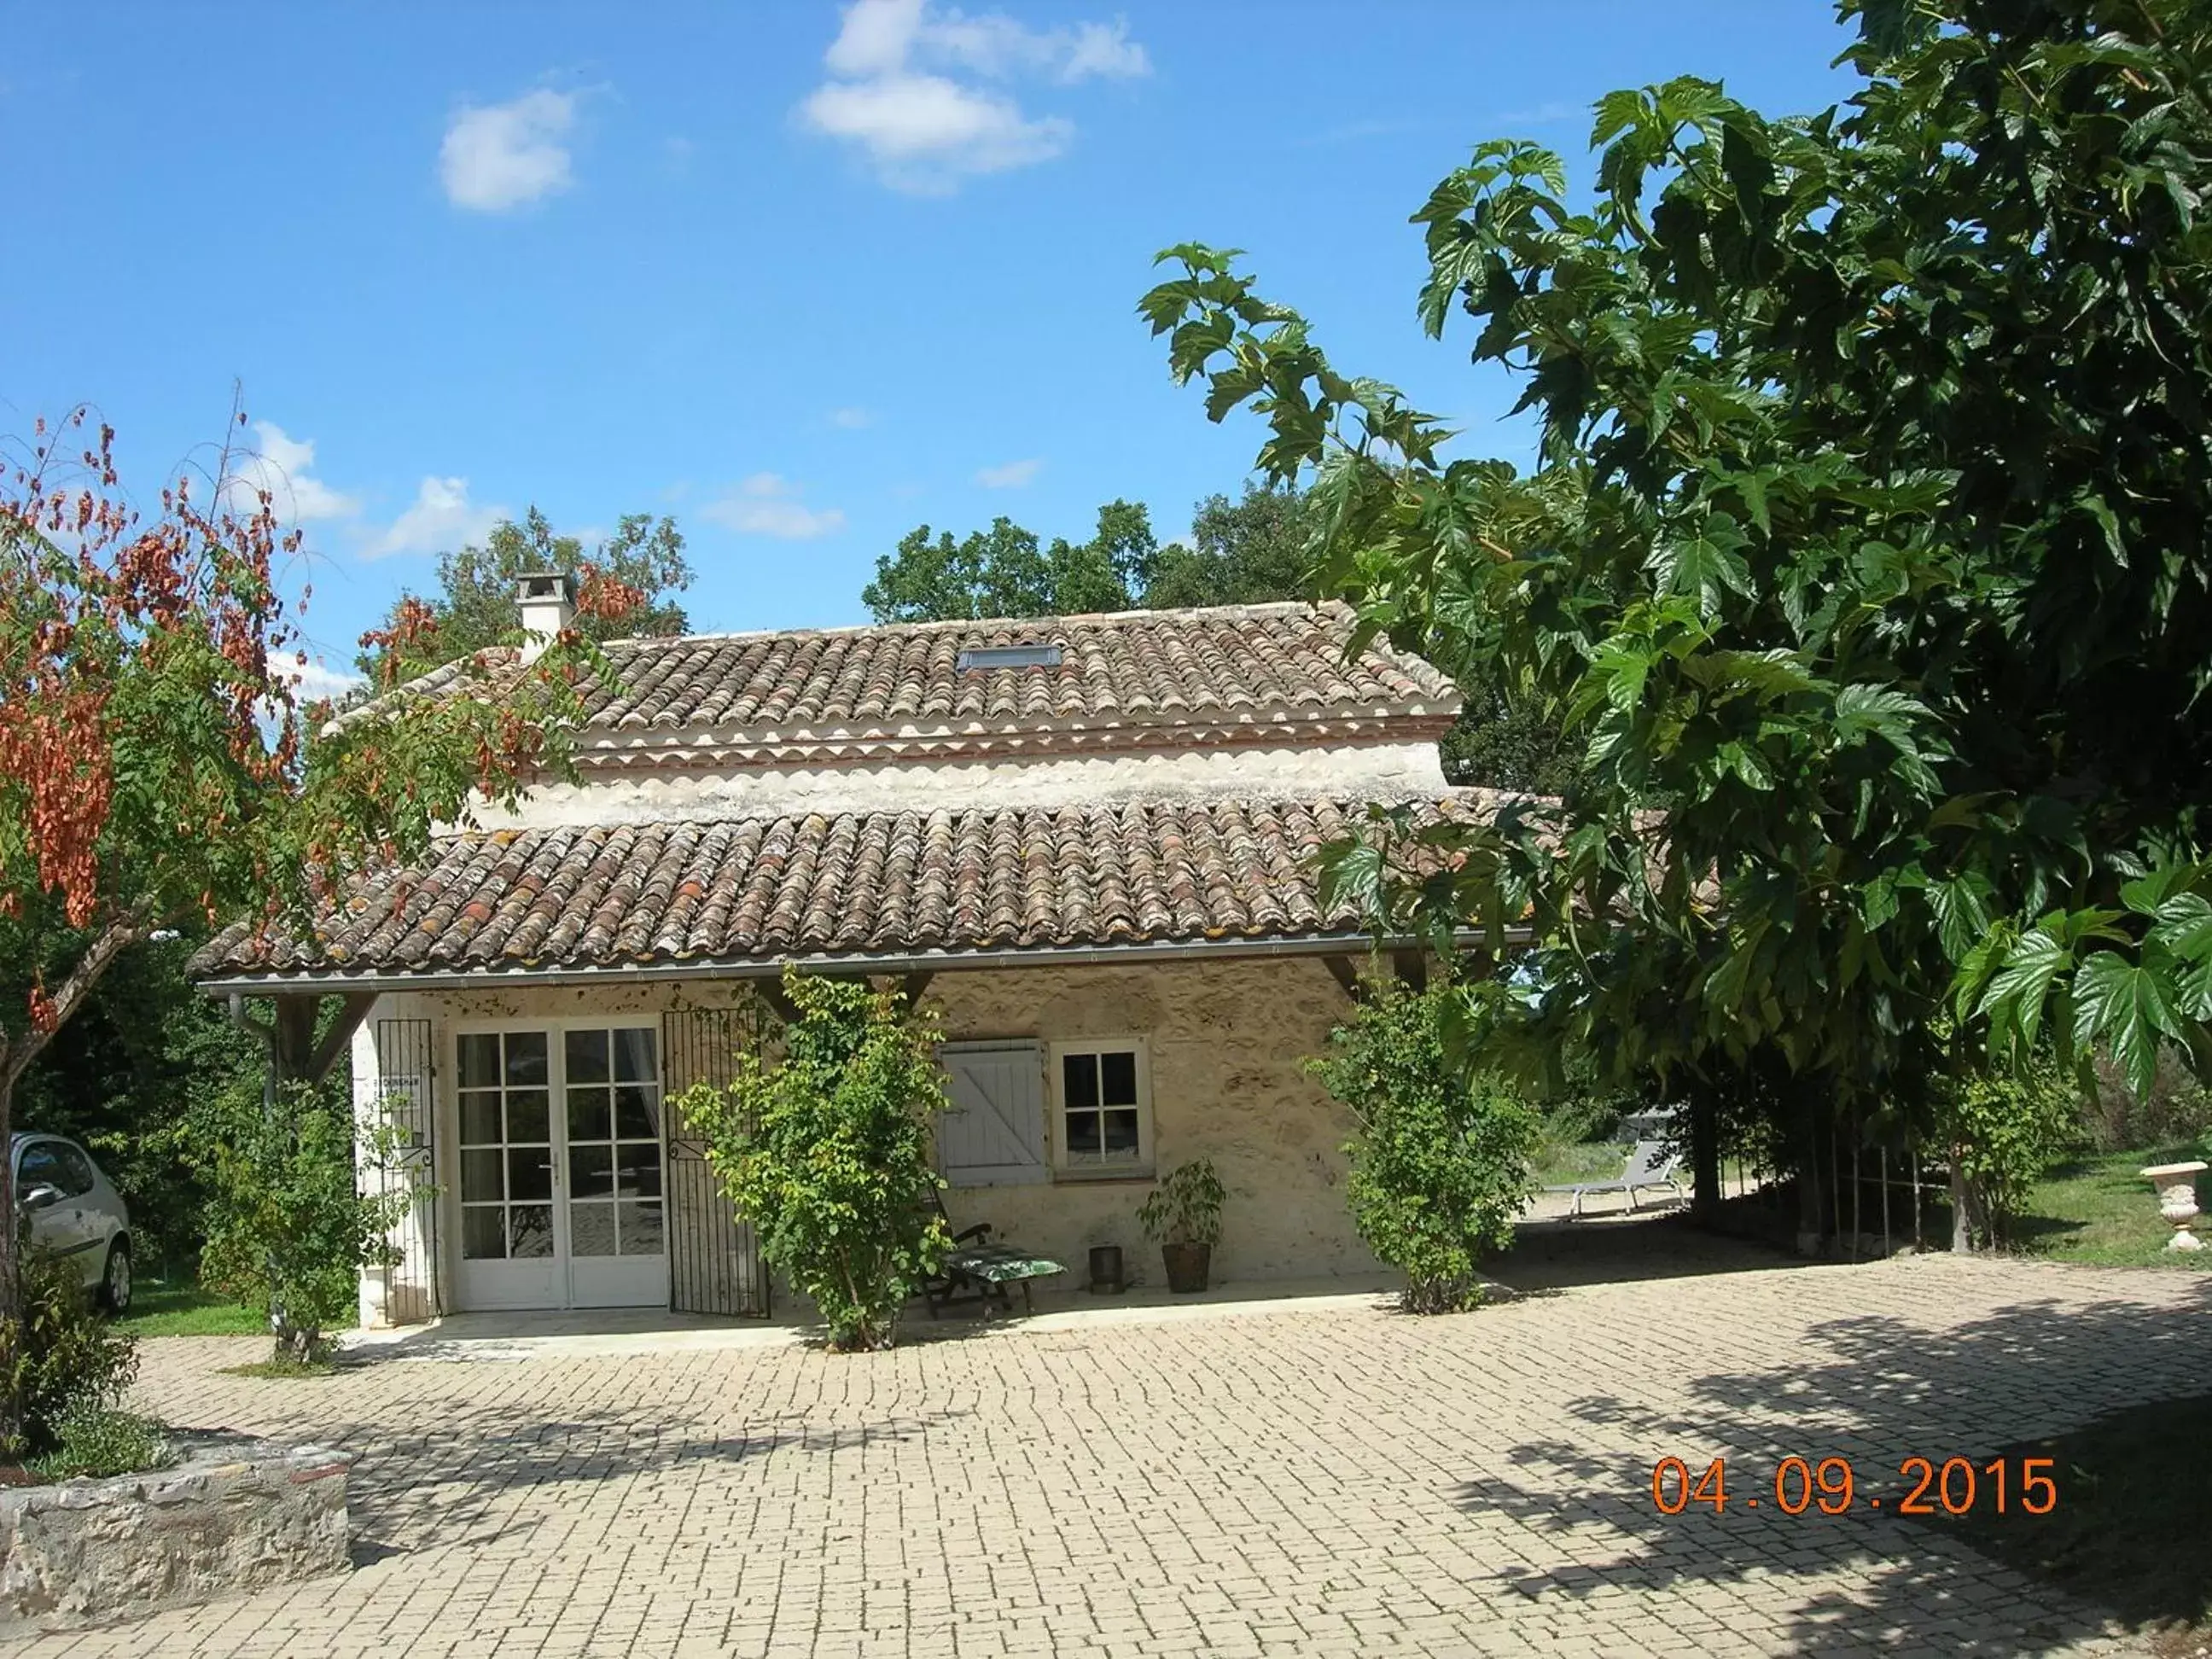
(1187, 1266)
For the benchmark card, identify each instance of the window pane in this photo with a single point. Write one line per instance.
(1083, 1134)
(479, 1055)
(480, 1177)
(1117, 1078)
(634, 1057)
(638, 1171)
(76, 1173)
(526, 1059)
(527, 1172)
(1078, 1076)
(526, 1116)
(37, 1167)
(585, 1053)
(480, 1119)
(587, 1116)
(591, 1229)
(591, 1172)
(641, 1230)
(1121, 1132)
(484, 1236)
(529, 1231)
(637, 1113)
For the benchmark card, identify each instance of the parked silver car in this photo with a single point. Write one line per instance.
(75, 1214)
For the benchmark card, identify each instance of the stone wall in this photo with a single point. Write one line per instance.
(1228, 1037)
(228, 1517)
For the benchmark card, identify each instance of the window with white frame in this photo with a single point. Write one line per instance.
(1102, 1107)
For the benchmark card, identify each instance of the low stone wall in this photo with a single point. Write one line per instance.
(231, 1516)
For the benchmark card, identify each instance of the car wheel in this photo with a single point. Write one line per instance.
(115, 1283)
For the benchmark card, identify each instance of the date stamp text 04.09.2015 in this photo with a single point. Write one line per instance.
(1925, 1486)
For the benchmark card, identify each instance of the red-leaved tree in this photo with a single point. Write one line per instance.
(158, 766)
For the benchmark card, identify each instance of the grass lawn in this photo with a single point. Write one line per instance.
(185, 1310)
(1562, 1162)
(2095, 1208)
(2122, 1532)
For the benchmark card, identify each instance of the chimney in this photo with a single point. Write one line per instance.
(548, 602)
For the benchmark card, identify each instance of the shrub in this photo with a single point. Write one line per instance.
(828, 1151)
(1440, 1168)
(59, 1356)
(2004, 1130)
(1185, 1208)
(289, 1229)
(2178, 1109)
(96, 1440)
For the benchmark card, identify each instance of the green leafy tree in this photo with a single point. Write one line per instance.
(1868, 539)
(159, 770)
(289, 1223)
(1005, 572)
(1248, 552)
(828, 1150)
(1440, 1167)
(126, 1077)
(475, 605)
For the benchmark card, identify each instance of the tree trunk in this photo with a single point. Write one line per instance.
(1962, 1229)
(1705, 1156)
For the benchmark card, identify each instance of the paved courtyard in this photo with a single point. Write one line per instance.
(1310, 1478)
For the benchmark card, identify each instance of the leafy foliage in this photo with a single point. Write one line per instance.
(1440, 1166)
(1870, 537)
(2004, 1129)
(475, 607)
(94, 1442)
(126, 1077)
(289, 1226)
(58, 1358)
(828, 1150)
(1185, 1206)
(1004, 572)
(159, 770)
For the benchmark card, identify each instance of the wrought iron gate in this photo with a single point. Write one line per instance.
(406, 1084)
(714, 1257)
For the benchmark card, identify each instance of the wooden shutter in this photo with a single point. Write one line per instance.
(993, 1135)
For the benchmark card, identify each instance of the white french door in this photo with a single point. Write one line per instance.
(560, 1178)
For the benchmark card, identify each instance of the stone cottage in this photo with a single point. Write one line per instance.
(1085, 841)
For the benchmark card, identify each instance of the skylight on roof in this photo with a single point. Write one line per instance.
(980, 657)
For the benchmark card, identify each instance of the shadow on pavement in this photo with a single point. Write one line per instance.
(1876, 1390)
(1551, 1255)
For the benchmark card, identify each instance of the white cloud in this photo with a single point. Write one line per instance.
(1013, 475)
(852, 418)
(317, 679)
(500, 157)
(764, 505)
(441, 519)
(893, 91)
(283, 466)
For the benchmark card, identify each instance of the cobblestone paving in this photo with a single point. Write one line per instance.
(1332, 1479)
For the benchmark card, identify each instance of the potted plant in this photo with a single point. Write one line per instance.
(1183, 1217)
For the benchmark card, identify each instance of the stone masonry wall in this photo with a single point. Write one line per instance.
(1228, 1037)
(227, 1518)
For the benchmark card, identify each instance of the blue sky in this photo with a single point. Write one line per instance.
(802, 275)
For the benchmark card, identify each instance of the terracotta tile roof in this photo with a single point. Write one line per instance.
(760, 890)
(1276, 667)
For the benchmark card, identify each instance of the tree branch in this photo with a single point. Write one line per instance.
(119, 933)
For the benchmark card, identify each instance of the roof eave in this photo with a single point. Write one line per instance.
(333, 978)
